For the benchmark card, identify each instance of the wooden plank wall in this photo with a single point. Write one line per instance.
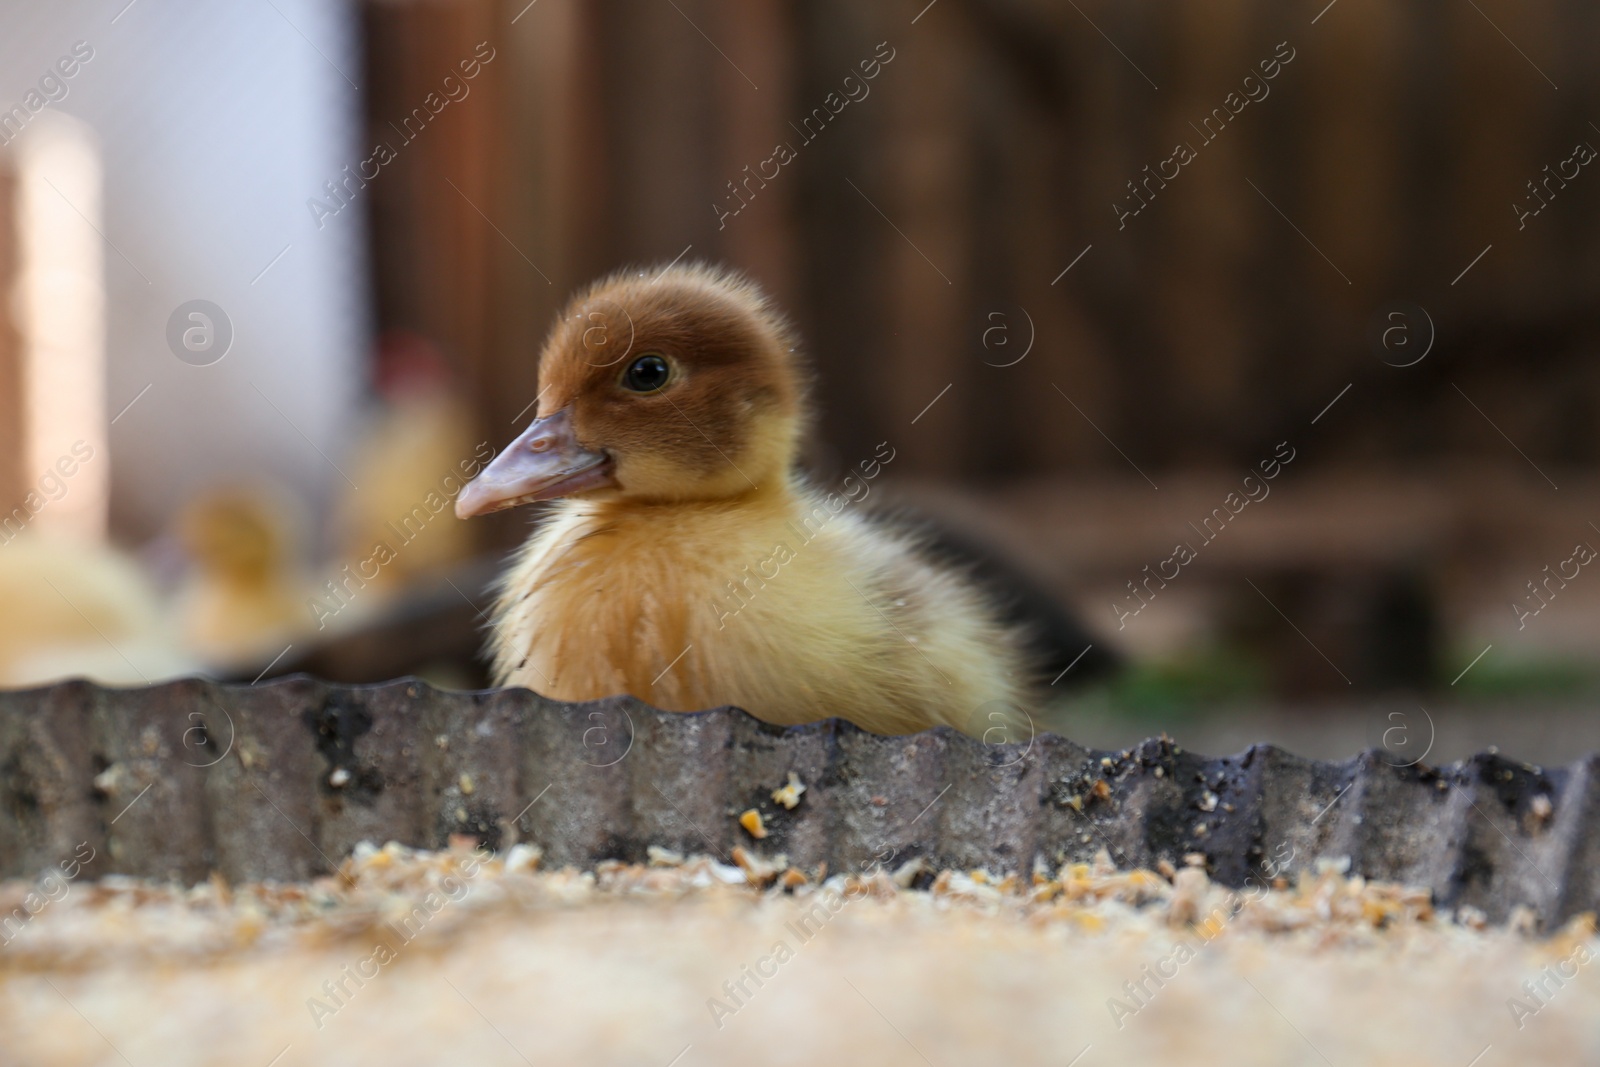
(987, 156)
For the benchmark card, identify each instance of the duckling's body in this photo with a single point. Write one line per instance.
(81, 609)
(769, 601)
(241, 600)
(688, 565)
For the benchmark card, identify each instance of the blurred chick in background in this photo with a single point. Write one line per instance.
(81, 609)
(419, 433)
(690, 565)
(242, 598)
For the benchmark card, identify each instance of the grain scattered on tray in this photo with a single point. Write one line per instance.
(983, 966)
(753, 824)
(789, 795)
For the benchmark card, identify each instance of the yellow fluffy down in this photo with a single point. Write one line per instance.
(768, 601)
(80, 610)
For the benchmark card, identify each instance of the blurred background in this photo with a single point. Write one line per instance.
(278, 270)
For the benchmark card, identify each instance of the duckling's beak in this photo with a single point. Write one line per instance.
(545, 462)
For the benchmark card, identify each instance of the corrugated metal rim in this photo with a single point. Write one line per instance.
(280, 780)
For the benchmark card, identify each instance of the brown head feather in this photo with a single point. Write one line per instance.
(729, 417)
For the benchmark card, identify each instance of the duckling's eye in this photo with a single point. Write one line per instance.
(646, 374)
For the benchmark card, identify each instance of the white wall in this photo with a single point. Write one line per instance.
(216, 120)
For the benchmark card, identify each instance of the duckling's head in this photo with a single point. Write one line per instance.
(679, 384)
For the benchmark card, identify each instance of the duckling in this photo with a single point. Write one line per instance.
(81, 609)
(241, 600)
(417, 433)
(688, 563)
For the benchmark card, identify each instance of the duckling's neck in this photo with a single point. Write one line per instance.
(776, 493)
